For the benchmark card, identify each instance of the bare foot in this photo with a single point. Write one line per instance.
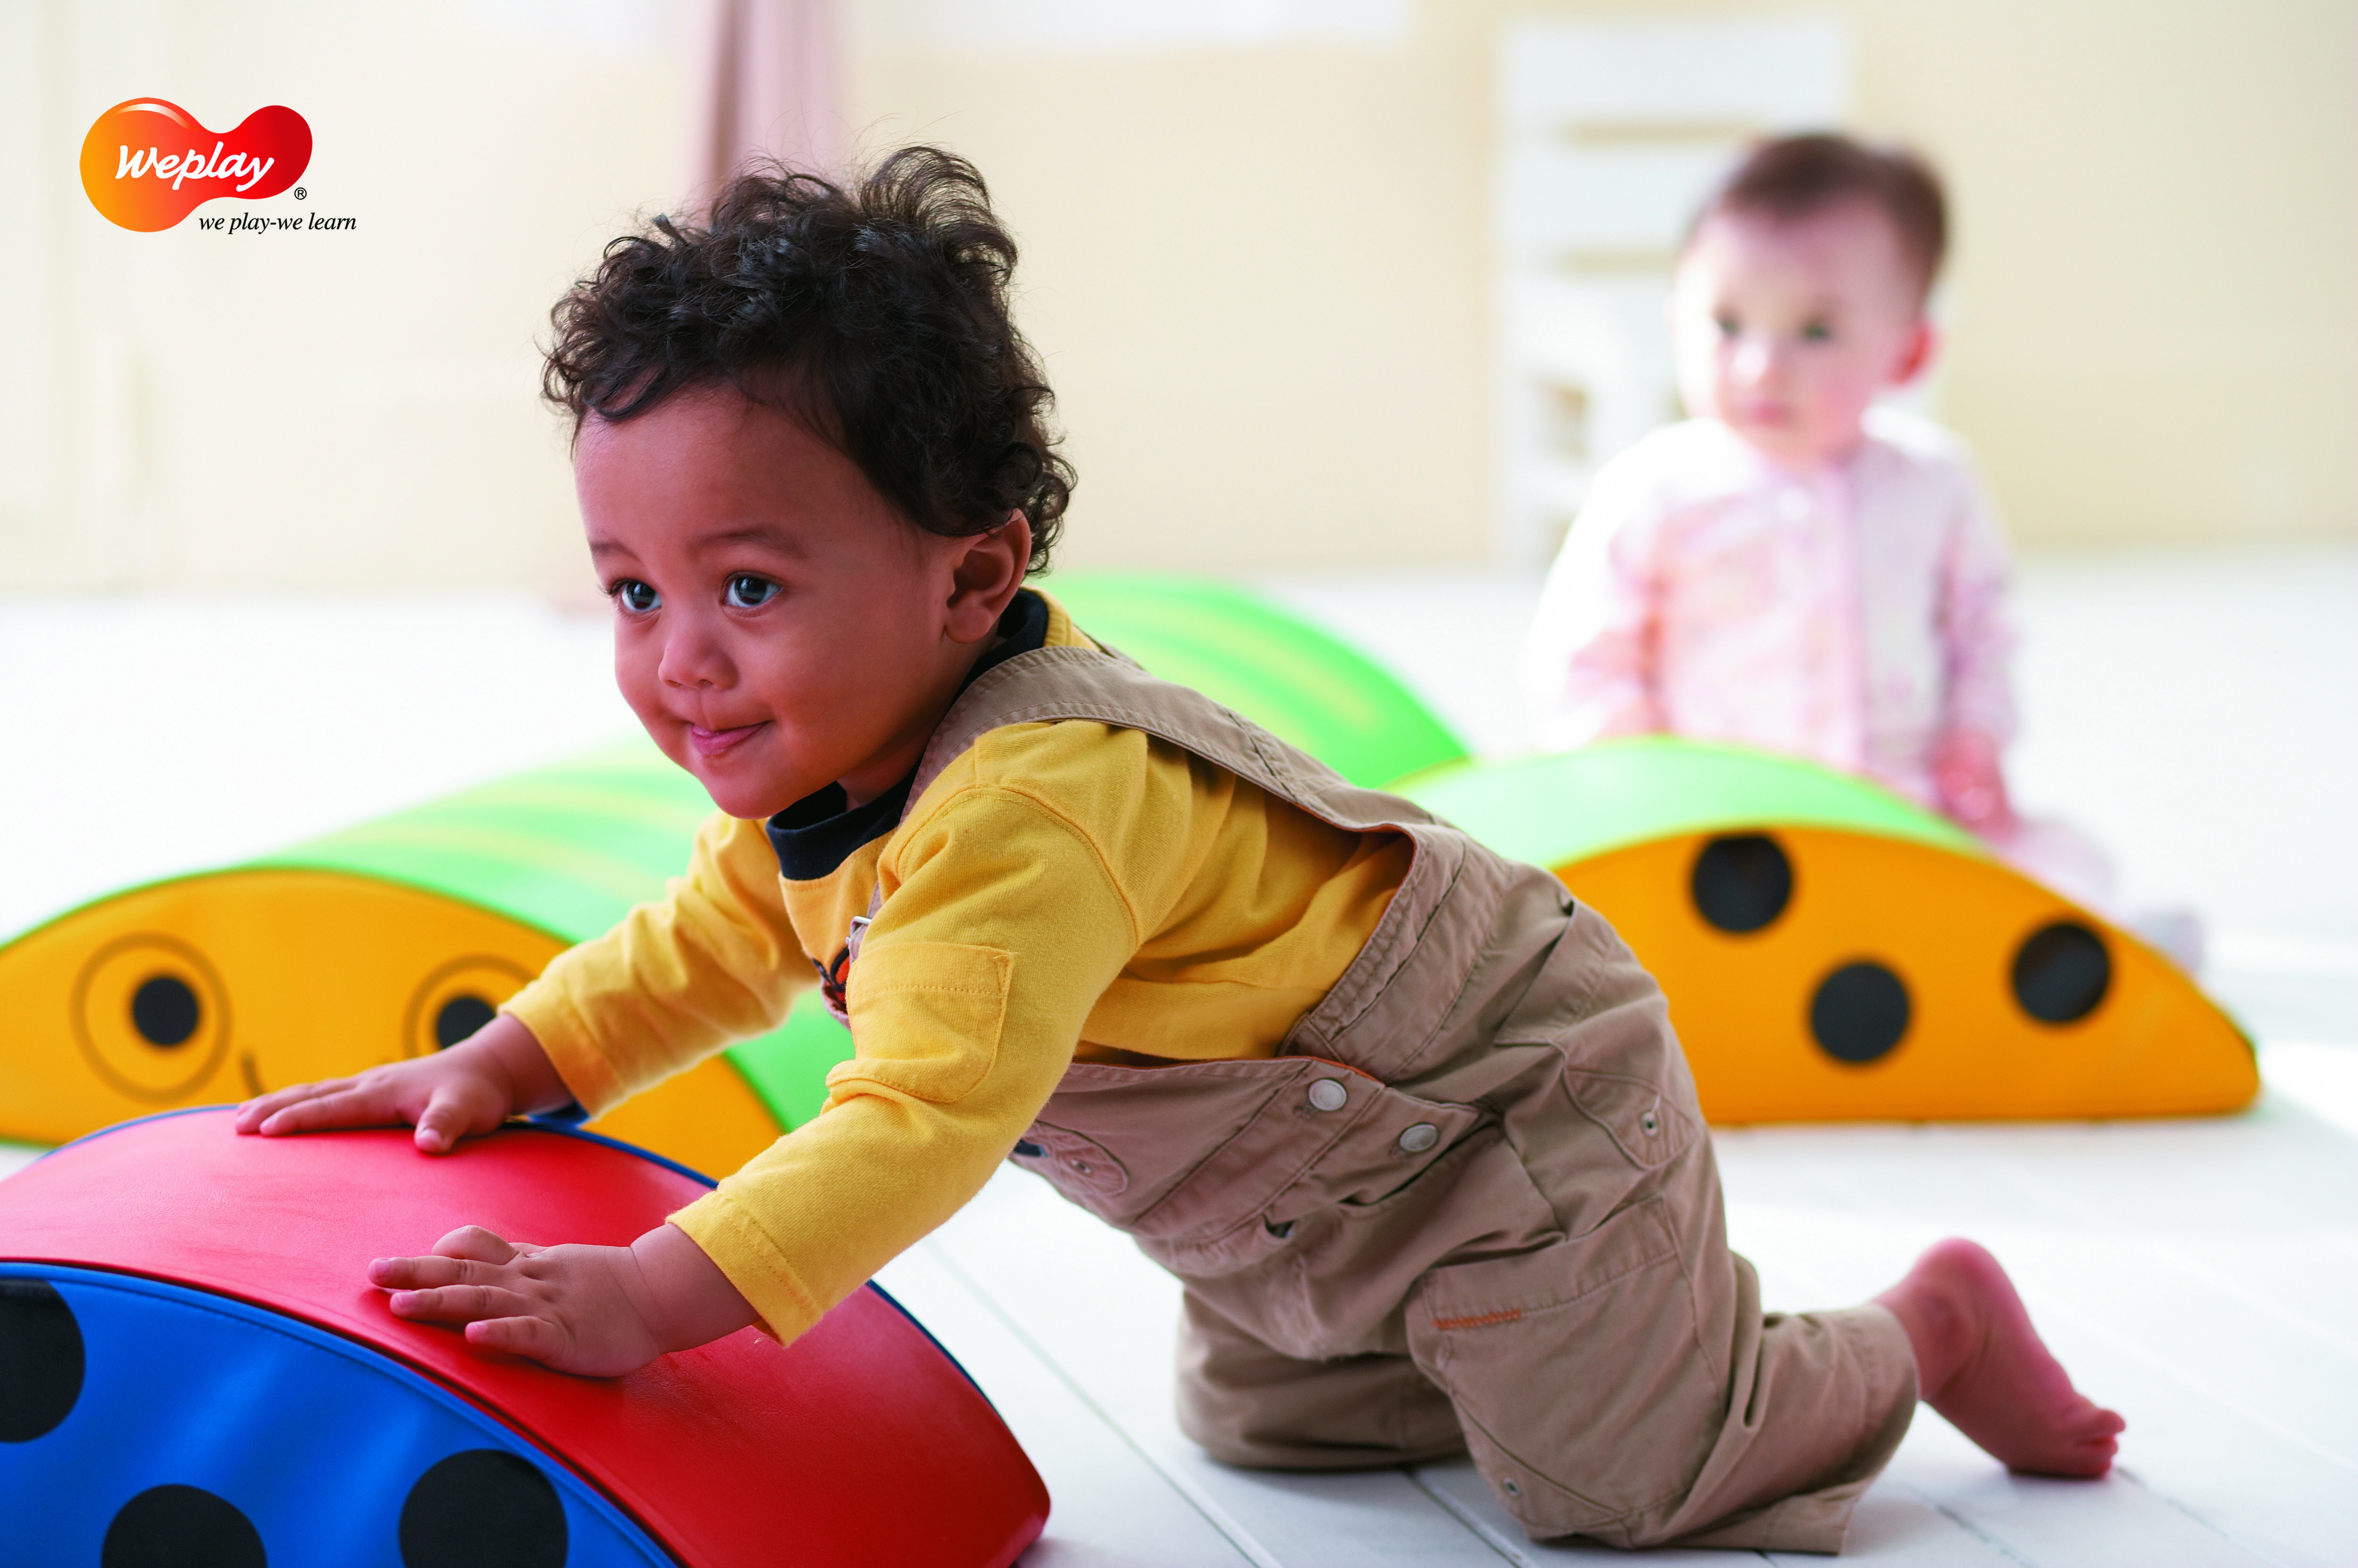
(1980, 1363)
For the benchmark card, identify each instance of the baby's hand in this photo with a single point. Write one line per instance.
(597, 1312)
(471, 1088)
(1972, 787)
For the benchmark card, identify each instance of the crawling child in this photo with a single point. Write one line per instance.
(1408, 1125)
(1793, 567)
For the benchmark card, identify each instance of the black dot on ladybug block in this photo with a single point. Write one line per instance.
(164, 1011)
(180, 1527)
(484, 1509)
(41, 1359)
(460, 1017)
(1860, 1012)
(1741, 882)
(2061, 972)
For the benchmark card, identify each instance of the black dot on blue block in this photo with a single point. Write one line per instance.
(164, 1011)
(484, 1509)
(1741, 882)
(41, 1359)
(180, 1527)
(2061, 972)
(459, 1018)
(1860, 1012)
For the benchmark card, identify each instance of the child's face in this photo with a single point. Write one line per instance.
(1785, 331)
(778, 627)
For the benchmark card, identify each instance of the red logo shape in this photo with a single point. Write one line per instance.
(147, 164)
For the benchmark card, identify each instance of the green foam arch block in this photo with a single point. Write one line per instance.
(567, 849)
(1305, 686)
(1554, 810)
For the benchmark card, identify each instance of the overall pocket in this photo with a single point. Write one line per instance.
(1076, 1164)
(1578, 1371)
(1202, 1146)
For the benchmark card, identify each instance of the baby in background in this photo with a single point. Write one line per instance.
(1795, 568)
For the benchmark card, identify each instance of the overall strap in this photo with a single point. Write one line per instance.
(1105, 686)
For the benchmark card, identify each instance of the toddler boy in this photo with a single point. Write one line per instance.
(1411, 1126)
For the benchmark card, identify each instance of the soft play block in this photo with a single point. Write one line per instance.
(1833, 952)
(384, 941)
(194, 1367)
(1307, 688)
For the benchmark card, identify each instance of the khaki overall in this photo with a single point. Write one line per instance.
(1470, 1206)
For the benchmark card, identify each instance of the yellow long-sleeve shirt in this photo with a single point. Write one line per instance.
(1062, 888)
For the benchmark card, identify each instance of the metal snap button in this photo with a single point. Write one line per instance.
(1420, 1138)
(1508, 1486)
(1082, 1167)
(1650, 1122)
(1279, 1229)
(1328, 1094)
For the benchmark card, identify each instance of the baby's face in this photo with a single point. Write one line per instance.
(1785, 331)
(778, 626)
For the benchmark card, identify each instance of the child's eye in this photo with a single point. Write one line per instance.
(746, 592)
(635, 597)
(1818, 332)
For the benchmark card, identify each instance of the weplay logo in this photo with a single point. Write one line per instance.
(146, 163)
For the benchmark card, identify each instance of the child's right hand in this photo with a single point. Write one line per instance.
(497, 1072)
(1966, 771)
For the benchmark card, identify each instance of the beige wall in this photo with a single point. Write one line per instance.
(1262, 275)
(1259, 275)
(190, 408)
(2158, 269)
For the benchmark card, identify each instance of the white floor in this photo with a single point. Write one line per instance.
(2195, 710)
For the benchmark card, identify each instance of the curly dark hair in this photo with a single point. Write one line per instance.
(876, 310)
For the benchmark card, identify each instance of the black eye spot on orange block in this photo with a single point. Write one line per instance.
(164, 1527)
(41, 1359)
(2061, 972)
(484, 1509)
(460, 1017)
(1860, 1012)
(164, 1011)
(1741, 882)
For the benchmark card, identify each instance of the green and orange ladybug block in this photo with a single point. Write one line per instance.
(1833, 952)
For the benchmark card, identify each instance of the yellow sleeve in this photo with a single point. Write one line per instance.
(713, 960)
(1001, 925)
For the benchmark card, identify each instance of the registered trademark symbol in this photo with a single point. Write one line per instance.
(298, 193)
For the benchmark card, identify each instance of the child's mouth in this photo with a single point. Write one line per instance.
(709, 743)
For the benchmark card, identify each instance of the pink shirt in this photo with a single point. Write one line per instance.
(1852, 614)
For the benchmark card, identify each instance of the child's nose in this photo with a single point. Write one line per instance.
(693, 658)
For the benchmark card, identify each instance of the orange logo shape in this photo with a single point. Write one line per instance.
(147, 164)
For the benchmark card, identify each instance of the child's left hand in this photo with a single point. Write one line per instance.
(597, 1312)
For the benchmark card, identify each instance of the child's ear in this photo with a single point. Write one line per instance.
(985, 576)
(1924, 341)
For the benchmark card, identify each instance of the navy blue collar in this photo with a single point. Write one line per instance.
(820, 832)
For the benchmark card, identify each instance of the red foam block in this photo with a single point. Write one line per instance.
(859, 1444)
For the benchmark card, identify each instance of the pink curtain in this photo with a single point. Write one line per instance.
(765, 85)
